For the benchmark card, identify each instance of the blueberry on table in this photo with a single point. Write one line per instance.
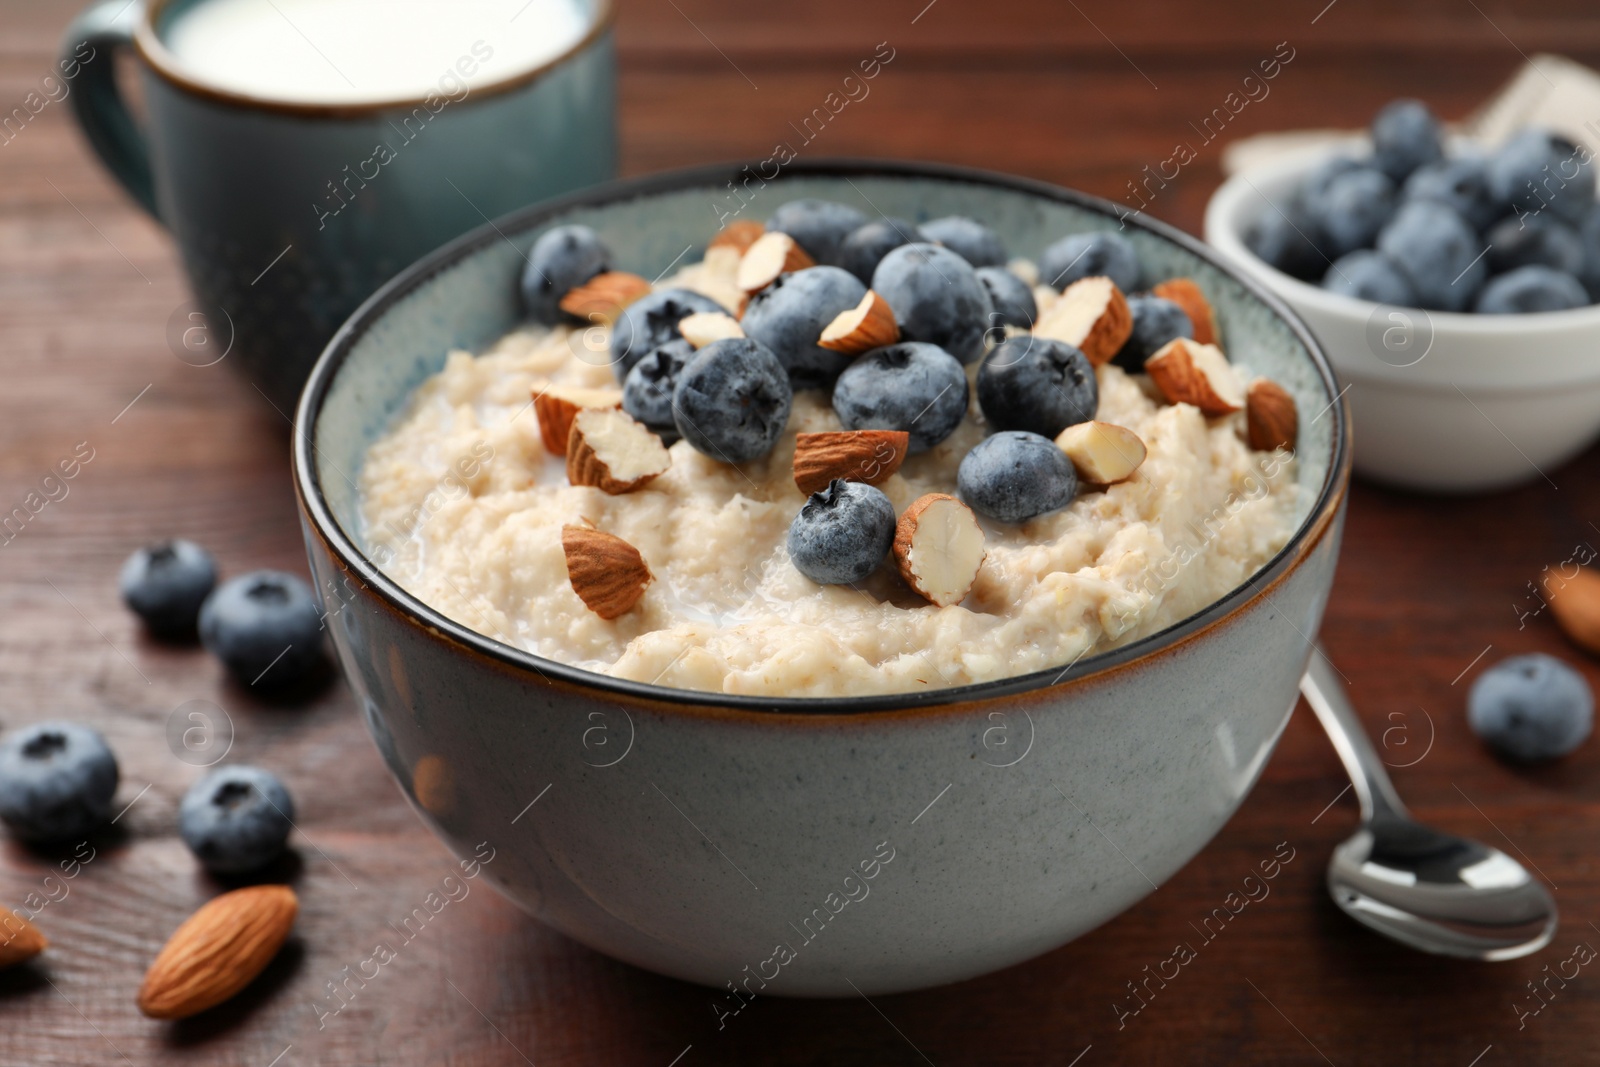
(1015, 476)
(1529, 289)
(1285, 236)
(1090, 255)
(562, 259)
(165, 584)
(842, 533)
(1351, 209)
(1536, 240)
(56, 781)
(732, 400)
(1037, 384)
(967, 238)
(1156, 320)
(1405, 136)
(818, 226)
(865, 246)
(265, 628)
(936, 297)
(1012, 299)
(236, 819)
(911, 386)
(1370, 275)
(648, 388)
(1461, 183)
(789, 316)
(1531, 708)
(1536, 171)
(1439, 253)
(652, 321)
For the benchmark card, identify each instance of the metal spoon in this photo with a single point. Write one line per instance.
(1429, 890)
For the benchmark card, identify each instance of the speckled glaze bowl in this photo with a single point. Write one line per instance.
(810, 847)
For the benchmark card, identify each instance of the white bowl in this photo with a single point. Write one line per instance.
(1441, 400)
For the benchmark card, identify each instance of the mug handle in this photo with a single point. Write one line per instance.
(102, 29)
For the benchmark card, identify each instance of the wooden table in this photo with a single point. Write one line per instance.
(1084, 94)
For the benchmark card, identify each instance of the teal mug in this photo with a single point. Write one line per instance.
(288, 209)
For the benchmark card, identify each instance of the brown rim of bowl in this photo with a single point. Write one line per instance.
(1317, 523)
(154, 51)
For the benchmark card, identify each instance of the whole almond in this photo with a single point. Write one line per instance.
(1271, 421)
(218, 951)
(869, 456)
(608, 574)
(1576, 606)
(1188, 296)
(602, 298)
(738, 235)
(20, 940)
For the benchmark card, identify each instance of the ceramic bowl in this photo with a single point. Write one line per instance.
(1441, 400)
(810, 847)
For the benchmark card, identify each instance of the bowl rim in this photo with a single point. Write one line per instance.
(1223, 232)
(321, 522)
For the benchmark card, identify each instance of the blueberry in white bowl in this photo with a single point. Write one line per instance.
(1405, 136)
(56, 781)
(1536, 171)
(1368, 274)
(1438, 252)
(1350, 209)
(236, 819)
(1531, 708)
(1535, 240)
(265, 627)
(1530, 289)
(165, 584)
(1461, 183)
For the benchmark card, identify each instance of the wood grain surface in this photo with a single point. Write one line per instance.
(1083, 93)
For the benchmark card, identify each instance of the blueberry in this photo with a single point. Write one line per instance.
(818, 226)
(1285, 237)
(1156, 321)
(1368, 275)
(1461, 183)
(790, 314)
(1531, 707)
(1439, 253)
(1534, 240)
(1012, 299)
(1351, 209)
(967, 238)
(1089, 255)
(1015, 476)
(1405, 136)
(652, 321)
(166, 583)
(56, 781)
(842, 533)
(912, 386)
(236, 819)
(1320, 176)
(561, 259)
(1536, 170)
(732, 400)
(937, 298)
(1036, 384)
(864, 248)
(647, 390)
(1532, 288)
(1589, 234)
(264, 626)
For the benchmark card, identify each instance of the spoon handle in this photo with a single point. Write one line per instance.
(1326, 694)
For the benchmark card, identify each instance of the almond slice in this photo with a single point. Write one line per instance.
(612, 452)
(868, 325)
(20, 940)
(218, 951)
(703, 327)
(1271, 421)
(771, 255)
(1091, 314)
(1103, 452)
(602, 298)
(938, 548)
(606, 572)
(1576, 606)
(869, 456)
(738, 235)
(1187, 294)
(555, 406)
(1188, 372)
